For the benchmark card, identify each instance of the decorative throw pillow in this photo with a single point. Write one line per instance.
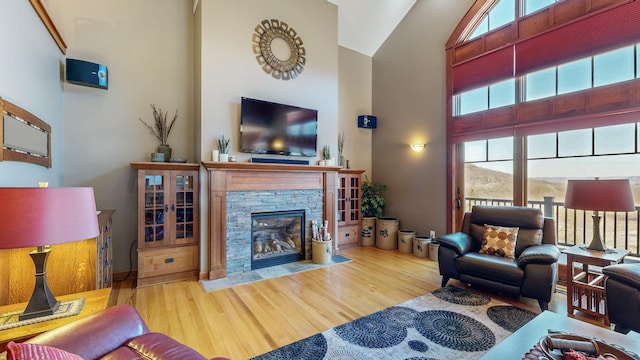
(22, 351)
(499, 241)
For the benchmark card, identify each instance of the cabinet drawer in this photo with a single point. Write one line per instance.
(348, 235)
(163, 261)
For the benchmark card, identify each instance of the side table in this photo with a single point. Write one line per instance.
(585, 290)
(95, 300)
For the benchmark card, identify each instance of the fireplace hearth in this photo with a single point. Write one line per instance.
(277, 238)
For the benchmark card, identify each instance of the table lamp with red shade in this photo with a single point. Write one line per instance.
(38, 217)
(599, 195)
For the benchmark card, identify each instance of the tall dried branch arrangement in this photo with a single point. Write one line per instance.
(160, 129)
(340, 143)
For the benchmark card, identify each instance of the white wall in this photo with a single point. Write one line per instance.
(30, 68)
(355, 99)
(147, 46)
(229, 70)
(150, 49)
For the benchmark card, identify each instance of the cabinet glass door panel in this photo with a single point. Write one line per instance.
(184, 183)
(342, 199)
(154, 182)
(184, 193)
(153, 233)
(154, 207)
(189, 231)
(355, 209)
(180, 231)
(354, 214)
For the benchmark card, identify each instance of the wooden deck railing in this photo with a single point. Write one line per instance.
(619, 229)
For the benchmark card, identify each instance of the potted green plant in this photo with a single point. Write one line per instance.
(326, 153)
(223, 146)
(161, 130)
(372, 201)
(372, 204)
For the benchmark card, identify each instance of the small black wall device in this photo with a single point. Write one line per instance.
(367, 121)
(86, 73)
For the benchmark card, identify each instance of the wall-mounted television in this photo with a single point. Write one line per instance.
(271, 128)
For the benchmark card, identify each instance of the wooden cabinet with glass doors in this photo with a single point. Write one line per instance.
(349, 183)
(168, 222)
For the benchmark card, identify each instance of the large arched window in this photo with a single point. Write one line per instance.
(555, 69)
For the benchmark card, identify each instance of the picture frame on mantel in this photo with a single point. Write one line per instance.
(41, 10)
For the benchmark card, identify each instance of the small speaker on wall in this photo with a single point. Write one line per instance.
(367, 121)
(86, 73)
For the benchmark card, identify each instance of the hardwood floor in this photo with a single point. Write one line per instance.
(251, 319)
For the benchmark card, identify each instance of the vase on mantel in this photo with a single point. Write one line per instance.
(166, 150)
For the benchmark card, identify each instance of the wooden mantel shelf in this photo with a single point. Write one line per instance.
(225, 177)
(247, 166)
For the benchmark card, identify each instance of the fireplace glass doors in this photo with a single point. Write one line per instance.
(277, 238)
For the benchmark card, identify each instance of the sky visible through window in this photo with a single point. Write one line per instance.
(504, 12)
(570, 154)
(602, 69)
(566, 154)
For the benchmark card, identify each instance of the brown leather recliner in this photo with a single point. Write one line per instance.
(534, 271)
(622, 291)
(115, 333)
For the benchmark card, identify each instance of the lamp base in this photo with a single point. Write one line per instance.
(42, 302)
(597, 243)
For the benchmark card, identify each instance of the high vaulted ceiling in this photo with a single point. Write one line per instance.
(364, 25)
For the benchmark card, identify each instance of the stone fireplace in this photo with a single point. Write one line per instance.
(240, 191)
(278, 238)
(242, 208)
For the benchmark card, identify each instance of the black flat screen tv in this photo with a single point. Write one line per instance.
(271, 128)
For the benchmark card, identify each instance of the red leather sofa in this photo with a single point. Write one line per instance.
(115, 333)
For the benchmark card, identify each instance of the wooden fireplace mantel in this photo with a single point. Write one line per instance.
(229, 177)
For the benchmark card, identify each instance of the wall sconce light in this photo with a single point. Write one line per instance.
(417, 147)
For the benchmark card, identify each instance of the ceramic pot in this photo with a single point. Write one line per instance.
(387, 233)
(224, 157)
(368, 231)
(166, 150)
(321, 252)
(405, 241)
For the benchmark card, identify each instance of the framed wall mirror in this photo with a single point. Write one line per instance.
(24, 136)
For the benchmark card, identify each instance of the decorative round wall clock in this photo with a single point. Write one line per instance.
(278, 49)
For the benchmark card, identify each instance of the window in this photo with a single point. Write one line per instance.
(474, 100)
(531, 6)
(504, 12)
(599, 70)
(574, 143)
(574, 76)
(613, 66)
(540, 84)
(489, 172)
(616, 139)
(575, 80)
(502, 94)
(501, 14)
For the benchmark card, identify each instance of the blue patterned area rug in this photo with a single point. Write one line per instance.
(449, 323)
(268, 273)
